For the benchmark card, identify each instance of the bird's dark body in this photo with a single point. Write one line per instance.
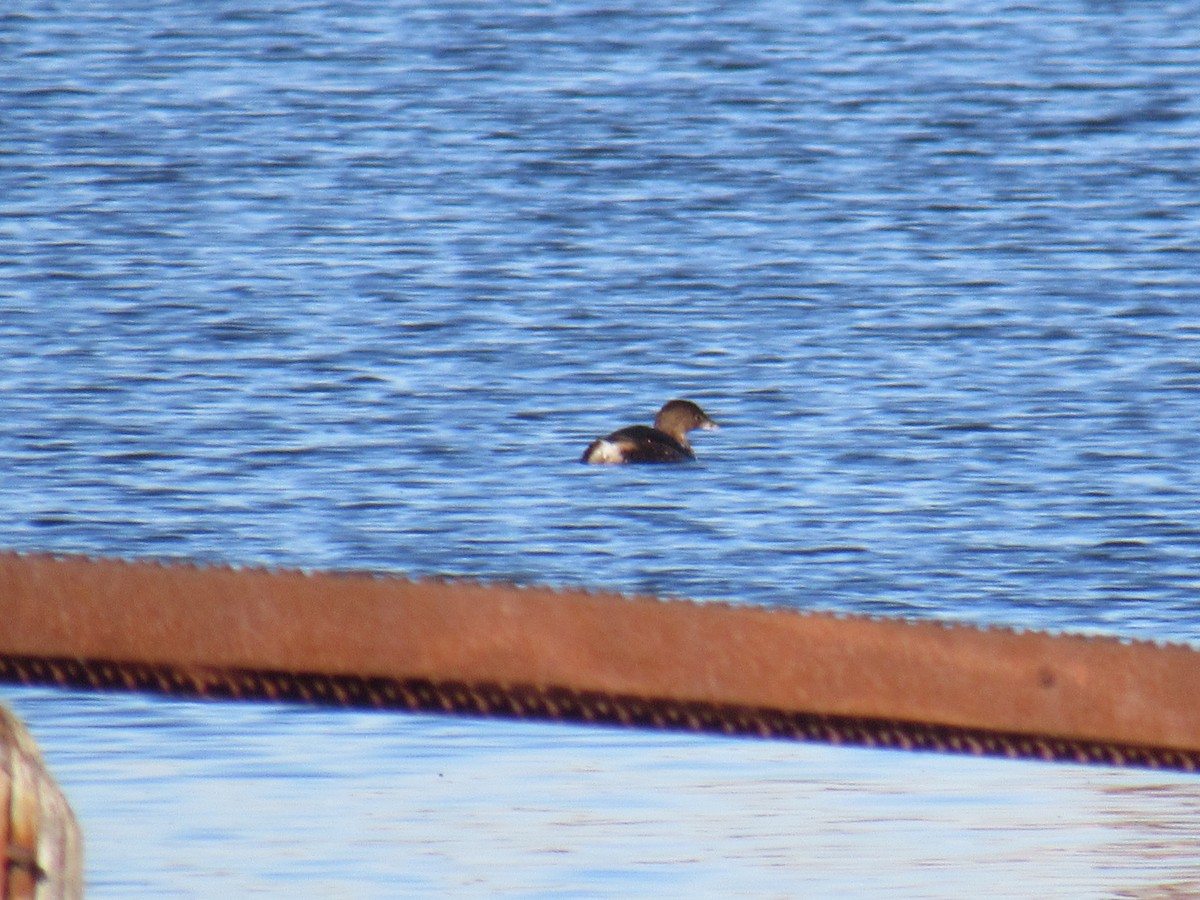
(666, 442)
(641, 443)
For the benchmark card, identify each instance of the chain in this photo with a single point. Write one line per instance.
(566, 705)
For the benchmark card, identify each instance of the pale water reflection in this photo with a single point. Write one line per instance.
(350, 285)
(204, 800)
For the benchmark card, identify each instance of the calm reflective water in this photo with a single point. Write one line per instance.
(351, 285)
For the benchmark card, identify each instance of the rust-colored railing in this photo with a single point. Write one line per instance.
(495, 650)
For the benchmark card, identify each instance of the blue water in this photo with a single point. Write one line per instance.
(343, 285)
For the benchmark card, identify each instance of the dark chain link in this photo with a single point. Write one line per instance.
(567, 705)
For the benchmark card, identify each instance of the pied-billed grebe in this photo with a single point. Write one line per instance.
(665, 442)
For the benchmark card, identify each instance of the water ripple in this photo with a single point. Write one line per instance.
(350, 285)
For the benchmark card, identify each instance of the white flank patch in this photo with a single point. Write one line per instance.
(606, 452)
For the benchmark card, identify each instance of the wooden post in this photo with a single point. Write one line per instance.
(43, 847)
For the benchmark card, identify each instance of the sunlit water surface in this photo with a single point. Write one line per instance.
(343, 285)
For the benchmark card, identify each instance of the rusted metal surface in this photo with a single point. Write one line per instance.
(43, 848)
(374, 641)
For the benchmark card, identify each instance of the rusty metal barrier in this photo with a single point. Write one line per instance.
(385, 642)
